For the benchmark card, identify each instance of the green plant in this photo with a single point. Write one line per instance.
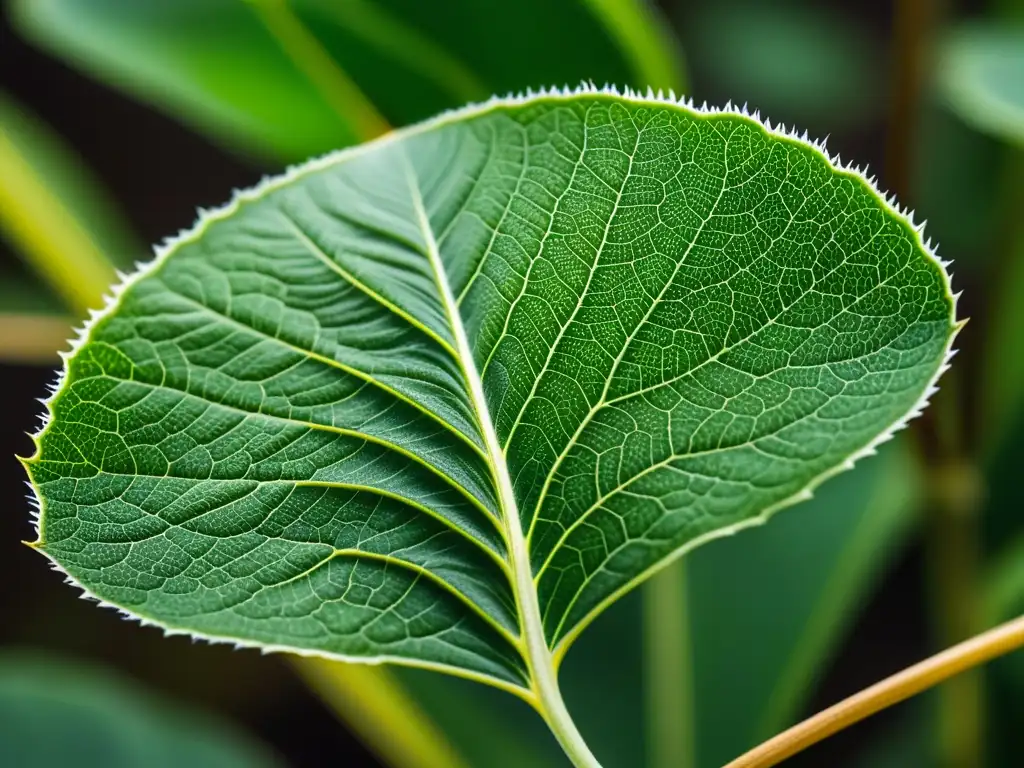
(440, 400)
(327, 78)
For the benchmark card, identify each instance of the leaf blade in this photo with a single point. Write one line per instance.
(244, 309)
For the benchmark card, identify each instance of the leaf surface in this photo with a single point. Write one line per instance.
(795, 585)
(443, 398)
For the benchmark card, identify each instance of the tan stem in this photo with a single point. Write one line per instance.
(930, 672)
(32, 339)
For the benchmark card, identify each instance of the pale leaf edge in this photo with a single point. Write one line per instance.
(268, 184)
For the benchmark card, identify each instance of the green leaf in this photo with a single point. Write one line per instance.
(796, 585)
(54, 214)
(56, 713)
(442, 399)
(291, 78)
(981, 74)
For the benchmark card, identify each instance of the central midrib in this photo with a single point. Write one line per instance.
(544, 691)
(533, 644)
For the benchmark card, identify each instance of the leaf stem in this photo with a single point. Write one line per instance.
(923, 675)
(668, 670)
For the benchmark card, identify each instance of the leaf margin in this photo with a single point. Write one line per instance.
(269, 183)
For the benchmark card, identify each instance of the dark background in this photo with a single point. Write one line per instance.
(159, 173)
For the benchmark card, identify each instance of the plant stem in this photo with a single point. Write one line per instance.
(913, 22)
(373, 703)
(968, 654)
(952, 540)
(954, 556)
(668, 670)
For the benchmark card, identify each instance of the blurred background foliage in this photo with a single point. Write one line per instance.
(118, 118)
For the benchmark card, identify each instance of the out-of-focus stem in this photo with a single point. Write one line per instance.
(913, 25)
(32, 339)
(954, 563)
(374, 704)
(953, 479)
(668, 670)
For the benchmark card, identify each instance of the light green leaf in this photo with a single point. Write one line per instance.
(55, 713)
(981, 74)
(293, 78)
(54, 214)
(442, 399)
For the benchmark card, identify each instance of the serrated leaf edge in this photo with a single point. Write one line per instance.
(269, 183)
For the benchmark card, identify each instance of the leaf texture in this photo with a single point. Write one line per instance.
(461, 387)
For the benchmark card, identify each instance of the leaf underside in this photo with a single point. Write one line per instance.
(680, 321)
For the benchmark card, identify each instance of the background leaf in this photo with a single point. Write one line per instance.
(218, 65)
(982, 77)
(804, 63)
(54, 712)
(792, 588)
